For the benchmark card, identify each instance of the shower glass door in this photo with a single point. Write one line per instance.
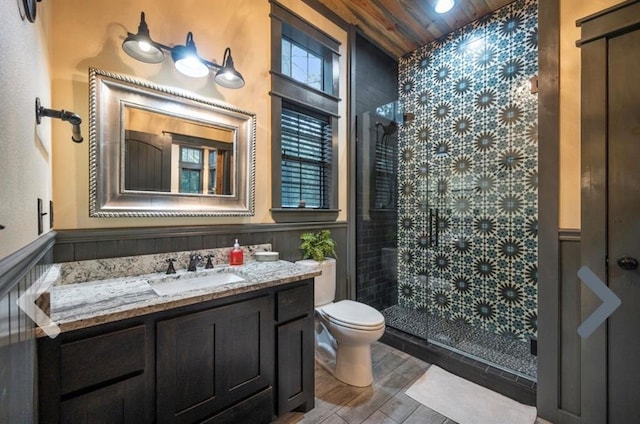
(474, 135)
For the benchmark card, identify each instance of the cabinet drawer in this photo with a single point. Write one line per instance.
(294, 302)
(122, 402)
(101, 358)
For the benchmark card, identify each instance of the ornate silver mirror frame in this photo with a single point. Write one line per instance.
(110, 95)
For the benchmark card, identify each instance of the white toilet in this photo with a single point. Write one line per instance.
(344, 329)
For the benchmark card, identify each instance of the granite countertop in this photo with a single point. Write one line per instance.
(81, 305)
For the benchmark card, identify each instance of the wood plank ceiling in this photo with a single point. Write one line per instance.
(401, 26)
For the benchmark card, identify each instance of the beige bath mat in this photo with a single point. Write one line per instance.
(466, 402)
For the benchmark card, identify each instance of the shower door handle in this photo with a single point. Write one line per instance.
(433, 228)
(436, 227)
(431, 235)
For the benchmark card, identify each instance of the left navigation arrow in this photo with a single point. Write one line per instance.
(26, 302)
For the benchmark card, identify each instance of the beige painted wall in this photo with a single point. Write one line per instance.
(570, 11)
(25, 148)
(89, 34)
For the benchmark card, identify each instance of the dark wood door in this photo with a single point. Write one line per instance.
(209, 360)
(147, 162)
(610, 132)
(624, 226)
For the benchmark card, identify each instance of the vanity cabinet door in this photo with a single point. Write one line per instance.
(295, 342)
(296, 365)
(208, 361)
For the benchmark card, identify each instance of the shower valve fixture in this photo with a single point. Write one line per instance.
(62, 114)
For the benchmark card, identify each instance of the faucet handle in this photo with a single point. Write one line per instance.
(170, 268)
(194, 260)
(209, 264)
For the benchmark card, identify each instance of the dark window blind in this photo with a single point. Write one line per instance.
(306, 158)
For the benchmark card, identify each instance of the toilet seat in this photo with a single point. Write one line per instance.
(354, 315)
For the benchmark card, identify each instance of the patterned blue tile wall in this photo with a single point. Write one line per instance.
(470, 157)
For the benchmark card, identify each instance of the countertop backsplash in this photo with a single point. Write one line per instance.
(102, 269)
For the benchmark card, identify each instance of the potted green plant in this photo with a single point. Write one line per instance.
(318, 246)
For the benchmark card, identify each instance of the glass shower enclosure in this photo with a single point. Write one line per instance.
(447, 249)
(427, 245)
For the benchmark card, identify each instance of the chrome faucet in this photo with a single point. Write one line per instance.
(194, 259)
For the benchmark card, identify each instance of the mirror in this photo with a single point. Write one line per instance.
(160, 151)
(170, 155)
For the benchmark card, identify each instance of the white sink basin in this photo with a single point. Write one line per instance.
(169, 286)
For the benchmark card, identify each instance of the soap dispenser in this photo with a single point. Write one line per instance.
(237, 255)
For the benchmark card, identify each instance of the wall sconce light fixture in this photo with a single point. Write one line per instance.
(63, 115)
(185, 57)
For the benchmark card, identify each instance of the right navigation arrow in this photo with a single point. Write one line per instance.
(610, 302)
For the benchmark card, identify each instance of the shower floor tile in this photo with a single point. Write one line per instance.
(485, 346)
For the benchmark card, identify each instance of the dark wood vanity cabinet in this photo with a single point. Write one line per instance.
(230, 360)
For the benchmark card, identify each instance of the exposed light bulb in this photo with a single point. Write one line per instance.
(144, 46)
(443, 6)
(192, 67)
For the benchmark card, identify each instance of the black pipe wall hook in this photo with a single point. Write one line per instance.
(63, 115)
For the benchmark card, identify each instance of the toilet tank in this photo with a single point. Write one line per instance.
(325, 284)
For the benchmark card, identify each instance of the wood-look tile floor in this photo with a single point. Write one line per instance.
(384, 402)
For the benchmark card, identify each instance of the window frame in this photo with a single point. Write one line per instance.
(285, 89)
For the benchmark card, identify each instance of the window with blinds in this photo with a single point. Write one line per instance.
(306, 158)
(305, 82)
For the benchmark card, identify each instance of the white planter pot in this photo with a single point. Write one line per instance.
(324, 284)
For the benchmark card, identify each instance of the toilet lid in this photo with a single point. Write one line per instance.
(354, 315)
